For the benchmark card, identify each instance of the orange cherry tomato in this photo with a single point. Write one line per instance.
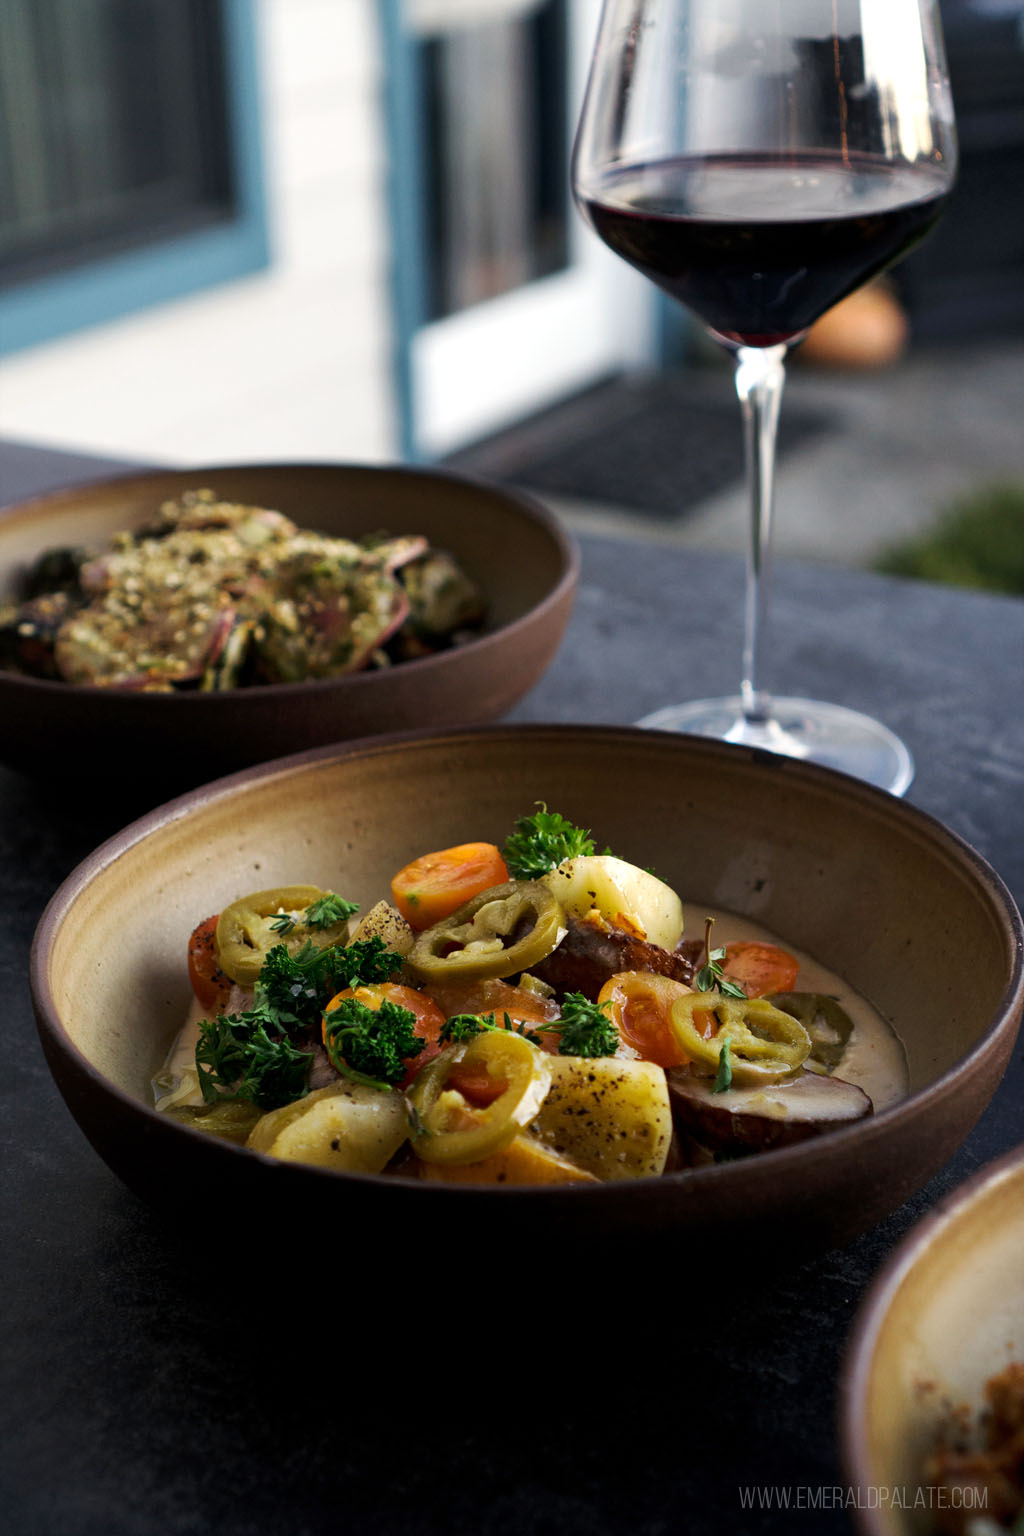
(428, 1016)
(476, 1084)
(760, 968)
(641, 1007)
(209, 983)
(431, 888)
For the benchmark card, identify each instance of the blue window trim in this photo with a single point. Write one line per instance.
(402, 91)
(66, 302)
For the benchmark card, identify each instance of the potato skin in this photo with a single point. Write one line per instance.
(608, 1115)
(385, 922)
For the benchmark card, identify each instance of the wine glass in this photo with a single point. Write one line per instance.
(759, 160)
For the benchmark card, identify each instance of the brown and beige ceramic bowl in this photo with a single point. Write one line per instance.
(943, 1316)
(873, 888)
(513, 549)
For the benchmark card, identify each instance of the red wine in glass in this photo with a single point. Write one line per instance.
(812, 228)
(760, 161)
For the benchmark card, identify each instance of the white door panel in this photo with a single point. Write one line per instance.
(485, 366)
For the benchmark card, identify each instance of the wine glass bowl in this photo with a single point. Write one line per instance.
(758, 162)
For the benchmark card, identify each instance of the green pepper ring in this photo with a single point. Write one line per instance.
(777, 1049)
(244, 935)
(441, 952)
(505, 1054)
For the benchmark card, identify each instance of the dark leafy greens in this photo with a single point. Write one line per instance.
(264, 1054)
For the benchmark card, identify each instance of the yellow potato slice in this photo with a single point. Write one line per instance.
(608, 1115)
(346, 1126)
(523, 1161)
(626, 896)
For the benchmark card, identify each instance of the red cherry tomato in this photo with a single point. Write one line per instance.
(209, 983)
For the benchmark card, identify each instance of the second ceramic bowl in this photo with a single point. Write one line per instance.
(517, 554)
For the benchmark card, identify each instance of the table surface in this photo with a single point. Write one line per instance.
(138, 1398)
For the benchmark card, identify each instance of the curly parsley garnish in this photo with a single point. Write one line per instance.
(709, 978)
(371, 1045)
(540, 842)
(246, 1056)
(299, 986)
(464, 1026)
(585, 1028)
(255, 1055)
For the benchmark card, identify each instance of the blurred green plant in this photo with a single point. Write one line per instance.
(978, 541)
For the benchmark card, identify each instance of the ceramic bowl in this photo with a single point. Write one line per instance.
(514, 550)
(944, 1315)
(873, 888)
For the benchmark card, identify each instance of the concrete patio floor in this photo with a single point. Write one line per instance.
(902, 443)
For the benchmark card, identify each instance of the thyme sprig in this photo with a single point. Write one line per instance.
(710, 977)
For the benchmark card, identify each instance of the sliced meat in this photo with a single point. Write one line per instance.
(755, 1119)
(592, 951)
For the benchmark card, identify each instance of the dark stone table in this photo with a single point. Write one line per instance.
(146, 1394)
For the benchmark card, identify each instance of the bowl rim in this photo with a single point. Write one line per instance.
(859, 1351)
(565, 545)
(763, 1169)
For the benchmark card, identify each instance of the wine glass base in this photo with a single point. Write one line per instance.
(818, 733)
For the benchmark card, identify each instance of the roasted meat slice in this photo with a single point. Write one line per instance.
(753, 1119)
(593, 950)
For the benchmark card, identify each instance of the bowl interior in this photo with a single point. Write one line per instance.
(947, 1315)
(863, 883)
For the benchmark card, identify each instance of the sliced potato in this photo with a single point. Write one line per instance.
(385, 922)
(524, 1161)
(609, 1115)
(625, 896)
(346, 1126)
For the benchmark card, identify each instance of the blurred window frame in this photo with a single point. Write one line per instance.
(86, 290)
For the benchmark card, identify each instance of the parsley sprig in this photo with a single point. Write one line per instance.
(584, 1028)
(255, 1055)
(371, 1045)
(245, 1056)
(540, 842)
(299, 986)
(461, 1027)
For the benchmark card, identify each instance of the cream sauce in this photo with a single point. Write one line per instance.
(874, 1058)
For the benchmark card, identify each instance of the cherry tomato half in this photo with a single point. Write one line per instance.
(209, 983)
(760, 968)
(641, 1012)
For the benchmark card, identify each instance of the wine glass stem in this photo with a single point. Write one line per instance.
(760, 375)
